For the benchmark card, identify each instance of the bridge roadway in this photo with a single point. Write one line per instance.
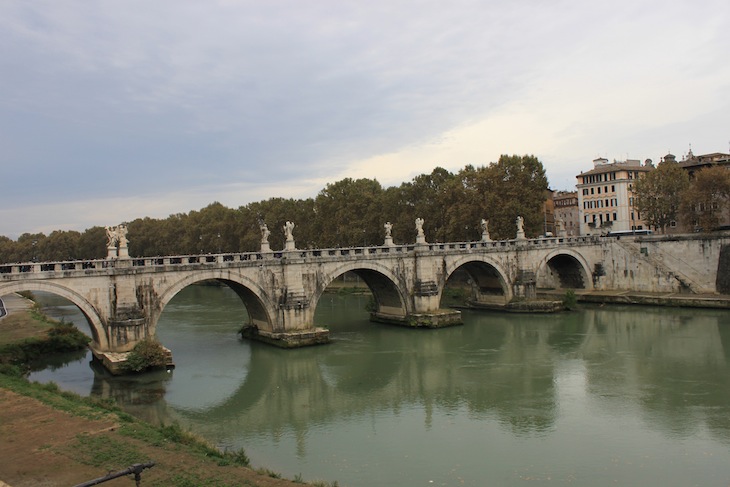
(122, 298)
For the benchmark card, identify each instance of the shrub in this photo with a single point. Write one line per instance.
(570, 300)
(146, 354)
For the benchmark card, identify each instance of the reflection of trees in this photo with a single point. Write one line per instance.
(489, 368)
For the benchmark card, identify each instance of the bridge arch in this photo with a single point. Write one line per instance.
(381, 280)
(96, 325)
(564, 269)
(489, 280)
(257, 303)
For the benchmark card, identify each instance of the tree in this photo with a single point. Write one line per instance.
(707, 198)
(659, 194)
(349, 213)
(514, 186)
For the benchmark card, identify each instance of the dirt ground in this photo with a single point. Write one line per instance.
(42, 447)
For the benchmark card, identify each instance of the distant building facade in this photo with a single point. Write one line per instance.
(606, 196)
(565, 205)
(548, 214)
(692, 164)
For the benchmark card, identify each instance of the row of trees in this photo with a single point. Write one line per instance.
(350, 212)
(667, 194)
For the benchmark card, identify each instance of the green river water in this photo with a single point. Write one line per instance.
(603, 396)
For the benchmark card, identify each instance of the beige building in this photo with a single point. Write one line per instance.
(606, 196)
(565, 205)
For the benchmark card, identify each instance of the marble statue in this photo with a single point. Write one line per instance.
(288, 229)
(419, 226)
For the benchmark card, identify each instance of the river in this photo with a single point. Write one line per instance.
(596, 397)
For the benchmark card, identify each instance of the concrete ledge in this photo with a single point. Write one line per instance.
(434, 319)
(527, 306)
(712, 301)
(687, 301)
(288, 339)
(535, 306)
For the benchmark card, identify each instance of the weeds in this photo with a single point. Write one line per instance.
(148, 353)
(570, 300)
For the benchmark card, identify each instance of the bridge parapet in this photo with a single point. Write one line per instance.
(85, 267)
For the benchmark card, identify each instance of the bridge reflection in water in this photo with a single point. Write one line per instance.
(602, 389)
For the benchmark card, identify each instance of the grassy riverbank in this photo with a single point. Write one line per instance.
(51, 437)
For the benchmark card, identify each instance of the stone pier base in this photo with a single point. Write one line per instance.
(434, 319)
(521, 306)
(115, 362)
(288, 339)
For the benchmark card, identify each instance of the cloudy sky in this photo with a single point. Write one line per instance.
(112, 110)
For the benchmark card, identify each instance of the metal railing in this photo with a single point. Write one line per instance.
(135, 470)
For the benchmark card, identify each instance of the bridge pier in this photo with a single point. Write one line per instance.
(288, 339)
(426, 311)
(439, 318)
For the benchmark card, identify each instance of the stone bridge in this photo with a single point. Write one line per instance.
(123, 297)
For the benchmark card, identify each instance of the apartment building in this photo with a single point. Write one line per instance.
(606, 196)
(565, 204)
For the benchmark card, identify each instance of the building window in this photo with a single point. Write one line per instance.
(614, 216)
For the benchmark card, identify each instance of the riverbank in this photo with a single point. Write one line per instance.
(712, 301)
(52, 438)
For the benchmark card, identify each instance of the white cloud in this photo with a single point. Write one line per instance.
(163, 107)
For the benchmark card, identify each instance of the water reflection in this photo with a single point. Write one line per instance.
(582, 386)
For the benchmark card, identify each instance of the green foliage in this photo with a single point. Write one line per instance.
(707, 198)
(147, 354)
(570, 300)
(346, 213)
(61, 337)
(659, 194)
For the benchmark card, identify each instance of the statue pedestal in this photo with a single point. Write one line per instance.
(111, 252)
(290, 245)
(389, 242)
(421, 240)
(521, 235)
(265, 248)
(485, 237)
(124, 252)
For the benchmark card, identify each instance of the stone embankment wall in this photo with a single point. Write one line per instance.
(690, 264)
(723, 270)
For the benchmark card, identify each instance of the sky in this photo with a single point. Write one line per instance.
(115, 110)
